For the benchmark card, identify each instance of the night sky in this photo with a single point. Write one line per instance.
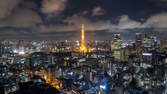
(61, 19)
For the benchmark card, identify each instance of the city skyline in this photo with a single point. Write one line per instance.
(83, 47)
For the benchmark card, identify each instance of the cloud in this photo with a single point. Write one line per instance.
(7, 6)
(21, 18)
(158, 21)
(74, 24)
(53, 6)
(97, 11)
(126, 23)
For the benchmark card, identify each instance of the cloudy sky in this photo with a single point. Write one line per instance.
(61, 19)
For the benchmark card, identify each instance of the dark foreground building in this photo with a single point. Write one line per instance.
(2, 89)
(36, 88)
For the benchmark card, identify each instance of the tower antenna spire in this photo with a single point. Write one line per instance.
(83, 47)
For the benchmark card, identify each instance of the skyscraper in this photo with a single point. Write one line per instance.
(116, 47)
(138, 40)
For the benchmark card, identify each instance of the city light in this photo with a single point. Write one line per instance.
(103, 87)
(21, 53)
(15, 51)
(83, 46)
(147, 54)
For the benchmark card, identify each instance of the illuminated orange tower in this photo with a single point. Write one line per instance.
(82, 46)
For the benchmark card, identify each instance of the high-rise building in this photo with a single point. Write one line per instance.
(138, 36)
(116, 44)
(154, 40)
(116, 47)
(138, 39)
(117, 37)
(150, 41)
